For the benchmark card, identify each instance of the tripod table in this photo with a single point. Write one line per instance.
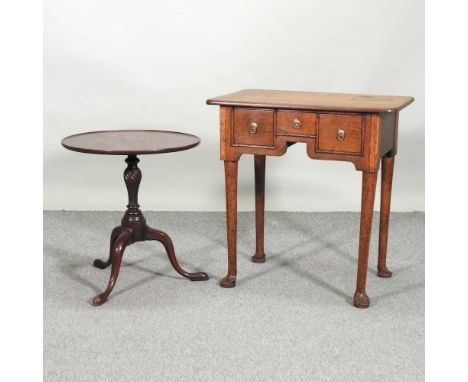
(133, 226)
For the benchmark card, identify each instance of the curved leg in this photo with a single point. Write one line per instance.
(154, 234)
(259, 162)
(230, 174)
(101, 264)
(385, 197)
(118, 249)
(369, 180)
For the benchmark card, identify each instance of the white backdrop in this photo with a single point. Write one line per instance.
(114, 64)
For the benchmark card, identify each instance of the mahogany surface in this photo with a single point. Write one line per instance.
(361, 129)
(133, 226)
(130, 142)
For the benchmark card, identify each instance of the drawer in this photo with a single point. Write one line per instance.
(296, 122)
(340, 133)
(253, 127)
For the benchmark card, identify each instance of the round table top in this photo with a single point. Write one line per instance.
(130, 142)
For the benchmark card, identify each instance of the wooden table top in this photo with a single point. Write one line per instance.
(130, 142)
(312, 101)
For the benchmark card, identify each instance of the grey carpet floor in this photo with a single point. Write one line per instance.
(289, 319)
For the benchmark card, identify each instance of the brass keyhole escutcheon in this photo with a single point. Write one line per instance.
(296, 123)
(253, 128)
(340, 134)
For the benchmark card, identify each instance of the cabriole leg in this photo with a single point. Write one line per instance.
(162, 237)
(101, 264)
(124, 239)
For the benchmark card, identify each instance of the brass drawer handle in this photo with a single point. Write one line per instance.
(340, 134)
(296, 123)
(253, 128)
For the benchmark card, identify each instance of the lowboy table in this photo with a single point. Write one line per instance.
(361, 129)
(133, 227)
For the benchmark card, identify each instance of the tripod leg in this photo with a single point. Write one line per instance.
(154, 234)
(101, 264)
(124, 239)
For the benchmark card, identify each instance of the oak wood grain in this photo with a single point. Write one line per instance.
(385, 199)
(329, 126)
(370, 125)
(253, 127)
(259, 164)
(230, 172)
(313, 101)
(295, 122)
(369, 181)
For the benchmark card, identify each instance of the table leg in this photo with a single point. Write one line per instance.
(162, 237)
(124, 239)
(385, 197)
(230, 174)
(259, 162)
(101, 264)
(369, 180)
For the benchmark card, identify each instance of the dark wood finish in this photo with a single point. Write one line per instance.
(329, 128)
(253, 127)
(230, 171)
(281, 99)
(385, 199)
(130, 142)
(295, 122)
(123, 240)
(370, 125)
(98, 263)
(259, 163)
(369, 180)
(133, 227)
(133, 218)
(165, 240)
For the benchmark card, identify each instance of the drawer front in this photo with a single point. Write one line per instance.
(253, 127)
(296, 123)
(340, 133)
